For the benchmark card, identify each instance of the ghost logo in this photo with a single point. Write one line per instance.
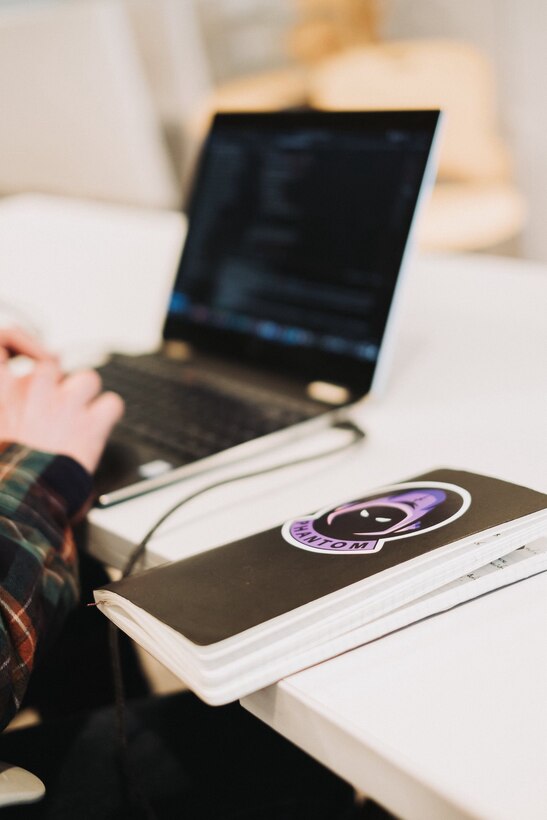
(364, 526)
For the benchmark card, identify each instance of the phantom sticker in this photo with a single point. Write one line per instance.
(362, 527)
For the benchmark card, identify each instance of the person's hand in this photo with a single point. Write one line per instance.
(63, 415)
(16, 342)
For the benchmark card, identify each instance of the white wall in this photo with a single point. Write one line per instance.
(514, 34)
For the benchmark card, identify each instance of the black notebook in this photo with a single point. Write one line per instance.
(236, 618)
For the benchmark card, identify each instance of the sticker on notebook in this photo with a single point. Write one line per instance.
(362, 527)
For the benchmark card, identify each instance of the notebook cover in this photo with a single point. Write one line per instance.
(223, 592)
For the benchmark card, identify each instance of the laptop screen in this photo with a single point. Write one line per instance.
(297, 227)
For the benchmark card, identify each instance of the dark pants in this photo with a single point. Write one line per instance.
(190, 761)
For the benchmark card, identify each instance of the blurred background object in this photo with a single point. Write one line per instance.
(344, 66)
(325, 27)
(475, 205)
(76, 116)
(166, 65)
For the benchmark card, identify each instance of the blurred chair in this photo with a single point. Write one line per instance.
(77, 117)
(474, 205)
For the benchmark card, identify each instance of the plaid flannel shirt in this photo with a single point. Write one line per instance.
(40, 495)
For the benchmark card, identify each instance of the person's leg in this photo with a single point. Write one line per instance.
(190, 760)
(240, 768)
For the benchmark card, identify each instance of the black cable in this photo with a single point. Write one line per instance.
(131, 779)
(138, 552)
(134, 793)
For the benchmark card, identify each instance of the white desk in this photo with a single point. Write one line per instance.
(447, 718)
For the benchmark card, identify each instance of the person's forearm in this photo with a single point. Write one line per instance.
(39, 496)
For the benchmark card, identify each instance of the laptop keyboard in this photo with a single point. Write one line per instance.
(188, 415)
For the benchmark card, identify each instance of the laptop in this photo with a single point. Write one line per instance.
(281, 313)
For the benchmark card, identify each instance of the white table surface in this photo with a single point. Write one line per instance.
(447, 718)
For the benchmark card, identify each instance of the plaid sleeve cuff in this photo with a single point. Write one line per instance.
(21, 468)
